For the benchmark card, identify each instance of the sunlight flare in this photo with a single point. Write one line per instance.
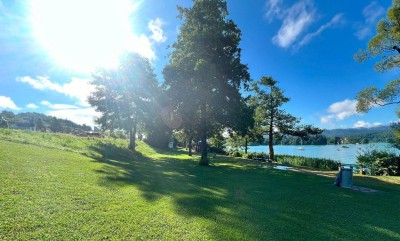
(83, 34)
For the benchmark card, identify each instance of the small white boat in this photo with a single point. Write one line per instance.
(300, 148)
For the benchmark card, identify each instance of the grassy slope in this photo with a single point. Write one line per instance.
(63, 187)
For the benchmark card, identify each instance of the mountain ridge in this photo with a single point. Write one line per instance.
(356, 131)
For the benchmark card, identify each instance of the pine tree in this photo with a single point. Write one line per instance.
(205, 73)
(124, 95)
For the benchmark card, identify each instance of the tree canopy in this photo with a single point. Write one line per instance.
(386, 45)
(205, 73)
(271, 119)
(125, 95)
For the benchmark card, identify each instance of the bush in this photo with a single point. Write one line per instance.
(119, 134)
(249, 155)
(380, 162)
(317, 163)
(158, 135)
(235, 152)
(216, 150)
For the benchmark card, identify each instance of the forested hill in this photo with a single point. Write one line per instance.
(343, 136)
(28, 120)
(356, 131)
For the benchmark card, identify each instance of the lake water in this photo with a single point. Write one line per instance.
(333, 152)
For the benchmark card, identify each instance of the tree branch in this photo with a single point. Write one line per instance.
(397, 49)
(388, 103)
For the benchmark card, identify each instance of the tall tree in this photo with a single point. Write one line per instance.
(55, 125)
(244, 126)
(123, 95)
(205, 68)
(386, 45)
(40, 124)
(3, 123)
(159, 121)
(269, 117)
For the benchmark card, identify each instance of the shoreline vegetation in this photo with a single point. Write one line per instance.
(290, 160)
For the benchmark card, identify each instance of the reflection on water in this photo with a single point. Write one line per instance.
(342, 153)
(282, 167)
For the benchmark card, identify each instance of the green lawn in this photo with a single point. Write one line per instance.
(60, 187)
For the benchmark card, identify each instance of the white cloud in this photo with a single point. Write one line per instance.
(295, 20)
(273, 9)
(371, 13)
(143, 46)
(364, 124)
(363, 32)
(80, 115)
(58, 106)
(78, 89)
(32, 106)
(155, 26)
(336, 20)
(8, 103)
(339, 111)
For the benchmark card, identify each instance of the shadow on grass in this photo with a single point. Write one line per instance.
(248, 202)
(376, 183)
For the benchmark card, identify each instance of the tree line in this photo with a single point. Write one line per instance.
(38, 121)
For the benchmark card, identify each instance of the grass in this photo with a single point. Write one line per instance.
(61, 187)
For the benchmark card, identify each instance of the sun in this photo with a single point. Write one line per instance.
(82, 34)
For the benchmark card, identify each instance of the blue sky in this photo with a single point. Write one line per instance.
(47, 48)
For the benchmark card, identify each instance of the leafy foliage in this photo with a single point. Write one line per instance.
(205, 73)
(124, 96)
(271, 119)
(55, 125)
(381, 162)
(295, 140)
(316, 163)
(385, 44)
(396, 134)
(40, 125)
(371, 97)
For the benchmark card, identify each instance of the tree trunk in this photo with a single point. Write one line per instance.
(203, 135)
(245, 145)
(132, 137)
(271, 139)
(190, 146)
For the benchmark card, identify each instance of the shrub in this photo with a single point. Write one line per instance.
(216, 150)
(380, 162)
(317, 163)
(234, 152)
(119, 134)
(249, 155)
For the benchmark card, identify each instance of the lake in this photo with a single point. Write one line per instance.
(333, 152)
